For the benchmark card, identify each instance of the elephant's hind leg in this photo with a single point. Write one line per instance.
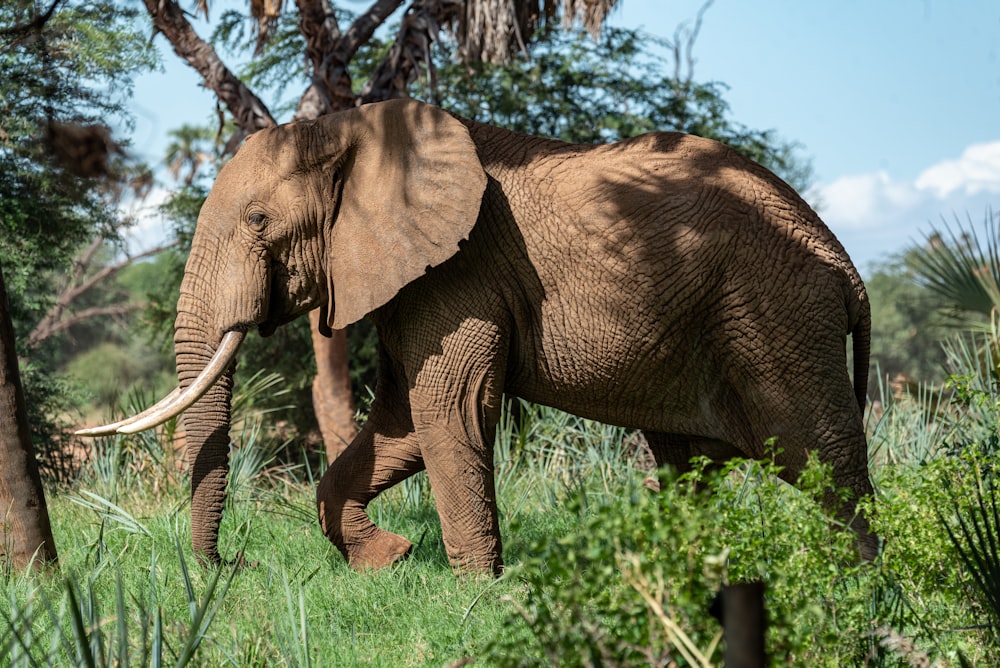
(385, 453)
(847, 455)
(829, 424)
(677, 450)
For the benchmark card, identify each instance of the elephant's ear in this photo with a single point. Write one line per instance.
(411, 191)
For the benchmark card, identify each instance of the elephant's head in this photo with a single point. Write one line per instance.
(338, 213)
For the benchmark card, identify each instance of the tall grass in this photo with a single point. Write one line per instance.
(74, 629)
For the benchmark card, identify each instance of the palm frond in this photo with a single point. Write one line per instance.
(962, 268)
(977, 541)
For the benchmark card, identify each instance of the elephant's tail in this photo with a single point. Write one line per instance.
(861, 334)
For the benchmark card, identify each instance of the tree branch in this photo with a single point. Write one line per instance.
(54, 319)
(250, 113)
(329, 51)
(412, 48)
(365, 26)
(34, 25)
(330, 83)
(117, 310)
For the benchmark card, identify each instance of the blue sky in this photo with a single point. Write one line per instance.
(896, 102)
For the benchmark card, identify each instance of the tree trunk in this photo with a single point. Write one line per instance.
(24, 518)
(331, 390)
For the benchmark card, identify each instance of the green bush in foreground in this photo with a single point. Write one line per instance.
(633, 584)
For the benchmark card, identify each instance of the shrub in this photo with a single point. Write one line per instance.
(634, 584)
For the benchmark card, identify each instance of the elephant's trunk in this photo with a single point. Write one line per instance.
(206, 426)
(204, 396)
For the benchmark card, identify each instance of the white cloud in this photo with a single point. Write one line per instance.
(874, 214)
(978, 170)
(857, 200)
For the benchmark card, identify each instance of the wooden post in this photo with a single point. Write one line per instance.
(740, 608)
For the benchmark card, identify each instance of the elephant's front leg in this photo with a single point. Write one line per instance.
(385, 453)
(456, 406)
(461, 475)
(372, 464)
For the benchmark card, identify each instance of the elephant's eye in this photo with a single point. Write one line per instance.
(257, 221)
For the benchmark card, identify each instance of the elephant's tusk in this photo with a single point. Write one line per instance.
(110, 429)
(216, 366)
(179, 400)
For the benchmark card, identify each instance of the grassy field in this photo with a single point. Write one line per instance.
(601, 571)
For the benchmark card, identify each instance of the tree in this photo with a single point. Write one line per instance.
(606, 89)
(484, 30)
(906, 335)
(921, 296)
(25, 532)
(56, 154)
(65, 74)
(186, 152)
(961, 267)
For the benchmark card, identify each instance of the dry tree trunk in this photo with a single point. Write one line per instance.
(331, 390)
(25, 532)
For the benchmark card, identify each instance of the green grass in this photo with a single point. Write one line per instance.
(601, 571)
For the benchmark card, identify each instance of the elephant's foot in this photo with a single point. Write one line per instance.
(383, 549)
(474, 558)
(867, 541)
(475, 568)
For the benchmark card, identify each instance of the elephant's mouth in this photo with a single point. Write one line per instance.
(274, 320)
(287, 302)
(266, 329)
(278, 308)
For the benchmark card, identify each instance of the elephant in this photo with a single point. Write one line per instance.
(663, 283)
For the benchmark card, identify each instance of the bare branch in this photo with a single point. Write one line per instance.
(683, 46)
(51, 329)
(250, 113)
(81, 264)
(113, 269)
(365, 26)
(53, 321)
(329, 51)
(330, 85)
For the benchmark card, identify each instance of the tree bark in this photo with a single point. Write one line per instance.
(250, 113)
(331, 390)
(25, 532)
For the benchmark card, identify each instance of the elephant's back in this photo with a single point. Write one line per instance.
(668, 255)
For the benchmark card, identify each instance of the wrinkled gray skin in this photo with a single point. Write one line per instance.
(664, 283)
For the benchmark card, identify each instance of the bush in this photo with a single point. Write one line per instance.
(634, 584)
